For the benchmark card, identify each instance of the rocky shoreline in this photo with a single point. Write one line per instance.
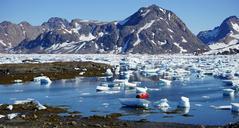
(9, 73)
(29, 115)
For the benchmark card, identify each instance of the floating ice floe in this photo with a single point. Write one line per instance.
(102, 88)
(206, 97)
(130, 85)
(44, 80)
(110, 92)
(163, 103)
(141, 89)
(105, 86)
(108, 72)
(184, 102)
(222, 107)
(134, 102)
(235, 107)
(198, 105)
(153, 89)
(166, 82)
(12, 116)
(228, 92)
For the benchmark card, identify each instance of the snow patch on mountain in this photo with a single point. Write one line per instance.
(162, 43)
(170, 30)
(181, 48)
(67, 47)
(184, 40)
(169, 16)
(145, 13)
(162, 10)
(88, 37)
(146, 26)
(235, 26)
(1, 42)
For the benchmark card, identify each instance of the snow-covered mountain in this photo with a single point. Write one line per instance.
(152, 30)
(223, 39)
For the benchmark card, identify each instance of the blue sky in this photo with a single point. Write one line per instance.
(197, 14)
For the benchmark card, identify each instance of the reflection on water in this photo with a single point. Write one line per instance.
(80, 95)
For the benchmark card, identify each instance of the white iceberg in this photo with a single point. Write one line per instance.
(141, 89)
(130, 85)
(228, 92)
(42, 80)
(235, 107)
(184, 102)
(102, 88)
(163, 103)
(108, 72)
(166, 82)
(222, 107)
(134, 102)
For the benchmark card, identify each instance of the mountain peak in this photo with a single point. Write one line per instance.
(152, 12)
(231, 18)
(229, 26)
(25, 23)
(229, 21)
(4, 23)
(224, 38)
(56, 23)
(57, 19)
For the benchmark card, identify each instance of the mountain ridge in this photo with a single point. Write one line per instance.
(223, 39)
(151, 30)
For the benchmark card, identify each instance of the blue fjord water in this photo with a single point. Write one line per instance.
(80, 95)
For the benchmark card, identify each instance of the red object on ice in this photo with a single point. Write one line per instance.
(142, 95)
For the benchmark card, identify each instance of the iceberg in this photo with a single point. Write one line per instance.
(102, 88)
(223, 107)
(141, 90)
(163, 103)
(228, 92)
(184, 102)
(235, 107)
(134, 102)
(166, 82)
(108, 72)
(43, 80)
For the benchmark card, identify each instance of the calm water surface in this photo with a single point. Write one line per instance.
(80, 95)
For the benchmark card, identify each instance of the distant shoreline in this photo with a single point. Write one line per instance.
(54, 70)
